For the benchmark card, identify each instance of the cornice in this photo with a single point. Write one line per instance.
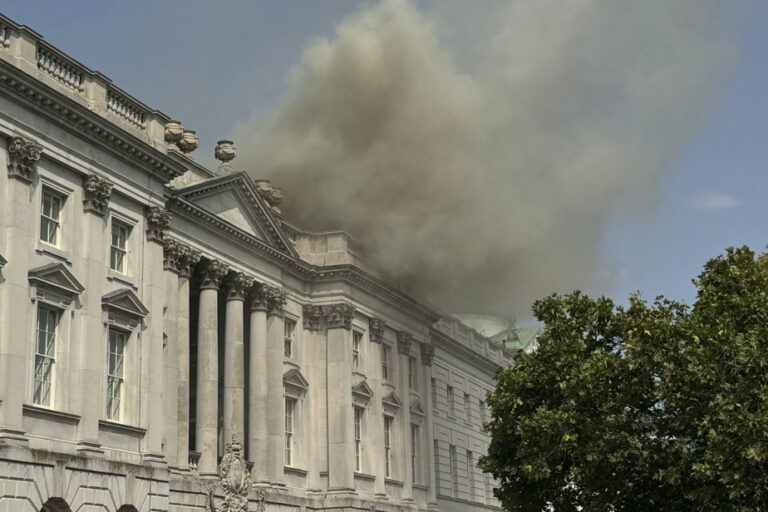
(78, 119)
(463, 352)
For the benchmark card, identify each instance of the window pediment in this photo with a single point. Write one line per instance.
(362, 393)
(294, 382)
(123, 308)
(55, 283)
(416, 408)
(391, 402)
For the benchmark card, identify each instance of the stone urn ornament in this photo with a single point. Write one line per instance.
(173, 132)
(188, 142)
(225, 152)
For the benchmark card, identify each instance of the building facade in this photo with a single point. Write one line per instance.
(156, 316)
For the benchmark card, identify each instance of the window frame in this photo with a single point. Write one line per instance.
(454, 464)
(127, 228)
(358, 428)
(451, 400)
(386, 362)
(357, 345)
(48, 191)
(471, 474)
(118, 416)
(415, 448)
(289, 343)
(388, 422)
(413, 373)
(291, 404)
(468, 408)
(58, 313)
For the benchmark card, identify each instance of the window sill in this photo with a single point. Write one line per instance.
(365, 476)
(358, 373)
(51, 414)
(391, 481)
(122, 428)
(114, 275)
(52, 251)
(420, 486)
(294, 470)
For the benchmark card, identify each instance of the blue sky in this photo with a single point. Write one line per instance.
(213, 65)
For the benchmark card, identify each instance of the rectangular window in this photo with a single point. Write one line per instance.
(45, 355)
(385, 368)
(482, 411)
(413, 373)
(290, 409)
(471, 474)
(50, 218)
(358, 438)
(357, 340)
(414, 452)
(451, 401)
(467, 408)
(387, 445)
(434, 393)
(115, 375)
(289, 330)
(454, 471)
(437, 466)
(117, 250)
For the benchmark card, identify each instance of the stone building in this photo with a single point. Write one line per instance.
(153, 310)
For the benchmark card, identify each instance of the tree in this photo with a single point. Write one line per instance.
(648, 407)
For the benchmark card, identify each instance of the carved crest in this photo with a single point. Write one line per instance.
(234, 479)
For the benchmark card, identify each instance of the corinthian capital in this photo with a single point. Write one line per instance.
(376, 329)
(158, 220)
(172, 252)
(237, 285)
(23, 155)
(213, 273)
(338, 316)
(275, 299)
(427, 353)
(188, 258)
(96, 192)
(404, 340)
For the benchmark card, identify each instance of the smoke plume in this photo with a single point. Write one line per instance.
(483, 176)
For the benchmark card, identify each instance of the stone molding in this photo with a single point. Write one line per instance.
(213, 273)
(404, 340)
(275, 299)
(338, 316)
(376, 328)
(238, 284)
(427, 353)
(23, 155)
(158, 221)
(96, 194)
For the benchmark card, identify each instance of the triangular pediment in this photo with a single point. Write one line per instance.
(362, 392)
(295, 380)
(416, 408)
(234, 200)
(124, 301)
(391, 401)
(57, 276)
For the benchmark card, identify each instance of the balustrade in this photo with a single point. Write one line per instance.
(59, 67)
(127, 109)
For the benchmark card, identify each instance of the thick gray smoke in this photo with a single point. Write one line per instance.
(485, 178)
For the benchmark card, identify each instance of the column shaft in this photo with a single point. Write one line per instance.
(275, 411)
(207, 381)
(257, 394)
(182, 385)
(234, 374)
(170, 386)
(341, 439)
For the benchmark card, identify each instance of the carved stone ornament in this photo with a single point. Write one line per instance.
(188, 142)
(404, 340)
(172, 251)
(427, 353)
(213, 273)
(275, 299)
(272, 195)
(338, 316)
(158, 220)
(235, 481)
(173, 131)
(312, 316)
(257, 298)
(96, 192)
(23, 155)
(376, 329)
(187, 259)
(237, 285)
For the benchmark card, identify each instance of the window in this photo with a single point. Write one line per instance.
(385, 368)
(50, 218)
(451, 401)
(434, 393)
(413, 373)
(437, 466)
(414, 452)
(45, 355)
(289, 333)
(115, 375)
(471, 474)
(482, 411)
(358, 438)
(357, 339)
(467, 408)
(117, 250)
(454, 471)
(387, 445)
(290, 409)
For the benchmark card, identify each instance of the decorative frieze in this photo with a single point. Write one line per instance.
(376, 329)
(188, 258)
(158, 221)
(312, 316)
(23, 156)
(238, 284)
(275, 299)
(338, 316)
(427, 353)
(404, 340)
(96, 194)
(213, 273)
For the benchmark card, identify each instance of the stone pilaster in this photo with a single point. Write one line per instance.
(234, 354)
(172, 251)
(404, 342)
(275, 299)
(208, 367)
(96, 194)
(23, 155)
(427, 355)
(187, 259)
(257, 387)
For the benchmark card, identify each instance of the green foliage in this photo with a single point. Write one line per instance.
(649, 407)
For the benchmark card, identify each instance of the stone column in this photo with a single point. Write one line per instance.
(257, 387)
(19, 218)
(313, 364)
(234, 355)
(187, 260)
(171, 253)
(341, 439)
(208, 368)
(404, 341)
(275, 411)
(427, 355)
